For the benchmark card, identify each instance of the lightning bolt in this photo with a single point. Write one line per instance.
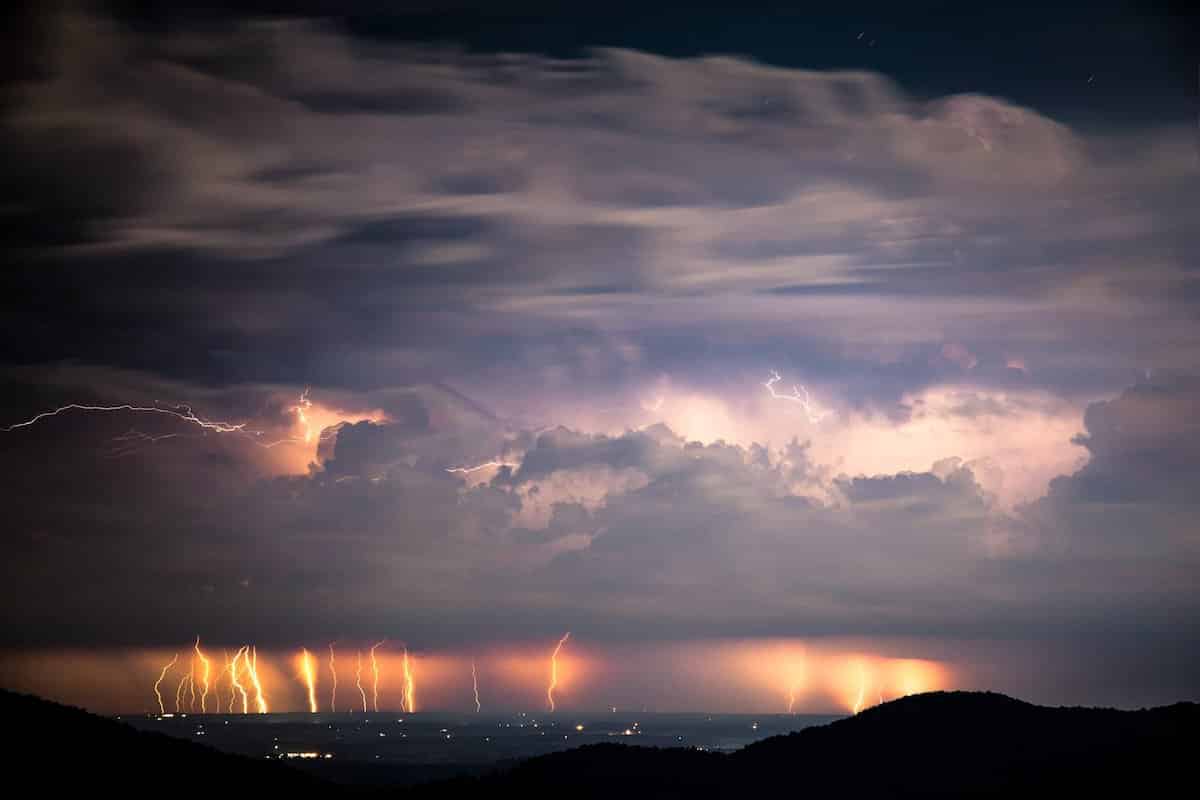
(333, 676)
(358, 679)
(799, 395)
(554, 669)
(252, 670)
(204, 675)
(301, 406)
(181, 412)
(375, 678)
(310, 679)
(238, 688)
(475, 685)
(791, 699)
(181, 688)
(410, 689)
(862, 688)
(161, 676)
(477, 467)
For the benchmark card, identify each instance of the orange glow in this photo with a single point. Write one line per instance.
(862, 688)
(204, 676)
(158, 683)
(333, 680)
(554, 669)
(410, 689)
(358, 679)
(375, 677)
(308, 674)
(718, 675)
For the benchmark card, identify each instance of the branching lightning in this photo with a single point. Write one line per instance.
(799, 395)
(162, 676)
(308, 671)
(375, 677)
(477, 467)
(554, 669)
(184, 683)
(129, 440)
(205, 671)
(410, 687)
(475, 685)
(333, 680)
(252, 670)
(358, 679)
(237, 687)
(181, 412)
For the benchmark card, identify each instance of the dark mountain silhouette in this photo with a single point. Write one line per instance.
(944, 744)
(53, 750)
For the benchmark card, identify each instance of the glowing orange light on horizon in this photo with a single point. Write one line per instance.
(554, 669)
(308, 673)
(162, 675)
(862, 687)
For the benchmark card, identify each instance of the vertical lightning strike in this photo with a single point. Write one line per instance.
(410, 687)
(554, 669)
(252, 669)
(792, 699)
(192, 685)
(180, 690)
(862, 688)
(301, 406)
(238, 688)
(333, 681)
(475, 685)
(162, 676)
(205, 672)
(310, 678)
(799, 395)
(375, 677)
(358, 679)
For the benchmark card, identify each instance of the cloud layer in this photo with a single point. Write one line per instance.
(580, 273)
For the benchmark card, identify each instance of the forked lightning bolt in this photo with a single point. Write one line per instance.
(800, 396)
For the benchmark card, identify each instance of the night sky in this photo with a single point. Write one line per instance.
(728, 341)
